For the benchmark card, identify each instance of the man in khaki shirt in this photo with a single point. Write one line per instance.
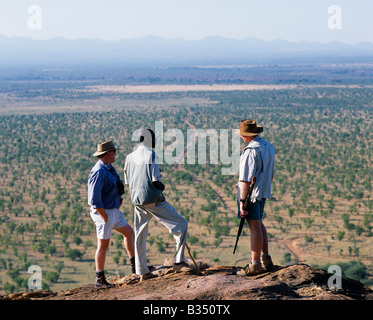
(257, 160)
(142, 174)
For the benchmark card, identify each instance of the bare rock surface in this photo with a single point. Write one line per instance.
(296, 282)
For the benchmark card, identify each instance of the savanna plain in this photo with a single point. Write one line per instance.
(320, 213)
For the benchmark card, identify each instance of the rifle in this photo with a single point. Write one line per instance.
(246, 204)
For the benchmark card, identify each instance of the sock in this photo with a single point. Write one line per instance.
(100, 274)
(255, 262)
(133, 268)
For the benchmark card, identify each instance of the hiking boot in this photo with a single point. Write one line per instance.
(147, 276)
(251, 270)
(101, 283)
(181, 267)
(267, 262)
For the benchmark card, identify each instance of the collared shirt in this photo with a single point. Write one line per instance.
(102, 187)
(259, 164)
(140, 170)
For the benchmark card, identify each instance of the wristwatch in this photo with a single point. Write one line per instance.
(242, 200)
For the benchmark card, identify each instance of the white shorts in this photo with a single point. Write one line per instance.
(115, 221)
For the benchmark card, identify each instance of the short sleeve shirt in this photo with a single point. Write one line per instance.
(258, 160)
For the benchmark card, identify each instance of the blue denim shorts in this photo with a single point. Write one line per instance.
(256, 210)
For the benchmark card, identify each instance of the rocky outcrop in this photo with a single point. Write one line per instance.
(216, 283)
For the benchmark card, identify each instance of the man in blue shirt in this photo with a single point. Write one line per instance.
(104, 197)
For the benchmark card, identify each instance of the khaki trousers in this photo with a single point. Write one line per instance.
(167, 216)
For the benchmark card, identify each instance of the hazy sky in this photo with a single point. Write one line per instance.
(292, 20)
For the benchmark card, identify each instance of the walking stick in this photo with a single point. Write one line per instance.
(242, 222)
(190, 255)
(195, 264)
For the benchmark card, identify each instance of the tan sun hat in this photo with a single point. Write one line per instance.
(249, 128)
(104, 147)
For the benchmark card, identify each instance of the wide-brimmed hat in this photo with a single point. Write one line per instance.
(104, 147)
(249, 128)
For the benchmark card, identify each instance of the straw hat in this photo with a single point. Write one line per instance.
(104, 147)
(249, 128)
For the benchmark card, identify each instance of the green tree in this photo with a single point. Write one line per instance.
(74, 254)
(160, 246)
(340, 235)
(51, 276)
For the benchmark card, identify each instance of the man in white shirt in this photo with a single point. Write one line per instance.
(257, 160)
(142, 174)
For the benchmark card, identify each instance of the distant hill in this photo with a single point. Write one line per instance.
(156, 50)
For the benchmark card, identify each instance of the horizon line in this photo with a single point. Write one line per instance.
(187, 40)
